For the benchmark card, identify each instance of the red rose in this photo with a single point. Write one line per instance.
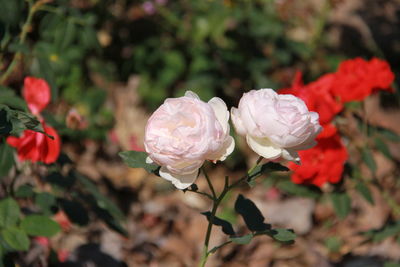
(36, 93)
(357, 78)
(36, 146)
(317, 96)
(321, 164)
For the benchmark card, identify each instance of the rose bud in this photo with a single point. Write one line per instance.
(184, 132)
(275, 126)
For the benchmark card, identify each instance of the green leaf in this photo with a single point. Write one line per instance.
(389, 135)
(11, 12)
(16, 238)
(10, 99)
(382, 147)
(333, 243)
(25, 191)
(37, 225)
(282, 235)
(19, 121)
(226, 226)
(365, 192)
(18, 47)
(22, 121)
(264, 169)
(341, 204)
(251, 214)
(46, 202)
(9, 212)
(75, 211)
(135, 159)
(101, 201)
(299, 190)
(385, 232)
(391, 264)
(5, 124)
(368, 159)
(242, 240)
(6, 159)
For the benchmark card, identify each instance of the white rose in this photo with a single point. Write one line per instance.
(275, 125)
(184, 132)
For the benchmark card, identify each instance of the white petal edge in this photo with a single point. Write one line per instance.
(291, 155)
(237, 121)
(180, 181)
(220, 111)
(226, 149)
(149, 160)
(264, 147)
(191, 94)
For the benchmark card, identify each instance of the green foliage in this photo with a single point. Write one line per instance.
(16, 238)
(251, 214)
(389, 230)
(135, 159)
(391, 264)
(263, 170)
(382, 147)
(365, 192)
(38, 225)
(6, 159)
(9, 212)
(299, 190)
(333, 243)
(368, 158)
(225, 225)
(341, 203)
(9, 98)
(46, 202)
(15, 121)
(242, 240)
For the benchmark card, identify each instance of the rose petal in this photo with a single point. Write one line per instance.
(226, 150)
(291, 155)
(221, 112)
(179, 181)
(149, 160)
(264, 147)
(192, 95)
(36, 93)
(237, 121)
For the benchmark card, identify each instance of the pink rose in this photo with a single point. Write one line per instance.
(275, 125)
(184, 132)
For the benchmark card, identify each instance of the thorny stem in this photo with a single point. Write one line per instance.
(209, 183)
(25, 28)
(214, 209)
(247, 175)
(201, 193)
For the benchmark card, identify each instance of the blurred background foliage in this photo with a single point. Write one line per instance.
(84, 48)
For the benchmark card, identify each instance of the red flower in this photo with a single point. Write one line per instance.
(321, 164)
(36, 146)
(317, 96)
(36, 93)
(357, 78)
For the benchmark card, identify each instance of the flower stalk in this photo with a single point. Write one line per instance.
(216, 202)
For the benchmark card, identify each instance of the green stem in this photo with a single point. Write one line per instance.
(216, 202)
(25, 28)
(201, 193)
(209, 183)
(244, 178)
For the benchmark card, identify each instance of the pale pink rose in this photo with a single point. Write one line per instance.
(184, 132)
(275, 126)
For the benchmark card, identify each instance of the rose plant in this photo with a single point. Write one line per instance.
(185, 132)
(39, 205)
